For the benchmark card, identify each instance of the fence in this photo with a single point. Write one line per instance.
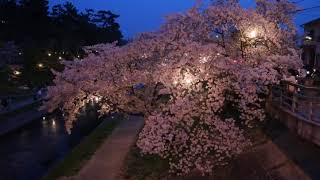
(301, 101)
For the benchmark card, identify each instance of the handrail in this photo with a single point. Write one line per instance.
(302, 86)
(300, 100)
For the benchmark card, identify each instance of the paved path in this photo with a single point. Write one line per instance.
(19, 120)
(263, 162)
(305, 154)
(106, 163)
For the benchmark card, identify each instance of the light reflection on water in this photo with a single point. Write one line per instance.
(28, 153)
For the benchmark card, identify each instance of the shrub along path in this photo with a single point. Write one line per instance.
(108, 160)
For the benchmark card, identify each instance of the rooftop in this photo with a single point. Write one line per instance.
(315, 21)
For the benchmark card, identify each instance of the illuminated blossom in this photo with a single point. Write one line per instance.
(198, 93)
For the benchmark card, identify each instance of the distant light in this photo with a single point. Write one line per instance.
(308, 72)
(53, 123)
(314, 70)
(44, 118)
(60, 57)
(308, 38)
(20, 53)
(16, 72)
(49, 54)
(78, 56)
(40, 65)
(112, 117)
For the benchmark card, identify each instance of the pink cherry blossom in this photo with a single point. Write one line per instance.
(201, 76)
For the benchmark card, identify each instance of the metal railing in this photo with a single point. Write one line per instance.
(302, 101)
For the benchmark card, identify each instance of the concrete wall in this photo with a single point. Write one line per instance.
(304, 128)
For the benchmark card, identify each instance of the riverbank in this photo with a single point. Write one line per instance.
(23, 117)
(82, 153)
(29, 152)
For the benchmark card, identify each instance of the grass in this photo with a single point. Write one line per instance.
(21, 110)
(78, 157)
(144, 167)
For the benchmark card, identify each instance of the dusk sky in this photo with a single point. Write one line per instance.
(146, 15)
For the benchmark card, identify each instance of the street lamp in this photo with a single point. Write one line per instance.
(16, 72)
(40, 65)
(253, 34)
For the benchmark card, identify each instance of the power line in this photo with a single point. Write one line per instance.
(306, 9)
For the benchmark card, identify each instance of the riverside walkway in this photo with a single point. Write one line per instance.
(108, 160)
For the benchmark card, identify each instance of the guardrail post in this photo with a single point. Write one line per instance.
(281, 94)
(294, 103)
(310, 111)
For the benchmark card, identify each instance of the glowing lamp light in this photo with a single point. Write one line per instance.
(20, 53)
(204, 59)
(175, 82)
(40, 65)
(308, 38)
(308, 72)
(188, 80)
(49, 54)
(252, 34)
(60, 57)
(16, 73)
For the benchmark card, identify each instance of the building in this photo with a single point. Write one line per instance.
(311, 44)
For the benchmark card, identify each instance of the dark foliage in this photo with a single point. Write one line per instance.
(60, 32)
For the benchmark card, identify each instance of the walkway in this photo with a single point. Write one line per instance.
(263, 162)
(19, 120)
(305, 154)
(107, 162)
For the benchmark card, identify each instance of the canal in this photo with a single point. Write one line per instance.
(28, 153)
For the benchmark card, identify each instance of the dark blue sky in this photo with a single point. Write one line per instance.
(146, 15)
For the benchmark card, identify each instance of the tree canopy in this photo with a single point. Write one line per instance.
(61, 31)
(199, 81)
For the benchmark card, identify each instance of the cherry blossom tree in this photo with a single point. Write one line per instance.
(199, 81)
